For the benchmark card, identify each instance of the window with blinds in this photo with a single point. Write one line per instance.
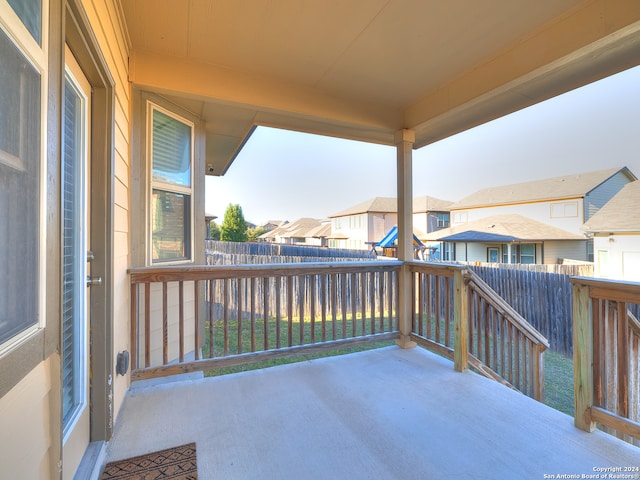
(21, 119)
(73, 272)
(171, 185)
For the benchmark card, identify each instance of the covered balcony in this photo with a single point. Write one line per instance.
(465, 404)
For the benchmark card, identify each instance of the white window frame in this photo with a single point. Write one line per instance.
(167, 186)
(37, 54)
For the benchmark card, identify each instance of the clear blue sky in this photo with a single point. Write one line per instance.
(282, 175)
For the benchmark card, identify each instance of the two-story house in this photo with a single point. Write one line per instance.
(615, 230)
(367, 223)
(548, 227)
(364, 224)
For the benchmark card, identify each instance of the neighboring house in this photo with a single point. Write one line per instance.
(364, 224)
(273, 224)
(507, 238)
(562, 202)
(616, 236)
(367, 223)
(429, 215)
(304, 231)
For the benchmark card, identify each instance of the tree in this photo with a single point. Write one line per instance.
(214, 231)
(234, 227)
(254, 233)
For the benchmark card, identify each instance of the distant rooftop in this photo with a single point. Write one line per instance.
(390, 205)
(503, 228)
(568, 186)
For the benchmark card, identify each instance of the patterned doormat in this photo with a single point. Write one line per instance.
(177, 463)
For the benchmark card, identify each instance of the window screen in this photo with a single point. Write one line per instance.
(20, 149)
(170, 204)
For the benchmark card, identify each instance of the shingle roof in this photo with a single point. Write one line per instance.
(430, 204)
(620, 214)
(373, 205)
(568, 186)
(301, 228)
(390, 205)
(510, 227)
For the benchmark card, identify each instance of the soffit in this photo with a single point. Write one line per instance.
(363, 69)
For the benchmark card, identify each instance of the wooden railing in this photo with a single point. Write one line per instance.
(456, 314)
(197, 318)
(606, 351)
(201, 317)
(502, 344)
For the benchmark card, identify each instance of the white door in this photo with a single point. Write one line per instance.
(75, 266)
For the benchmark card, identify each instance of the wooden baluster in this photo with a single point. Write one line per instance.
(147, 325)
(343, 302)
(181, 319)
(290, 309)
(354, 293)
(447, 312)
(323, 305)
(312, 299)
(252, 297)
(196, 319)
(461, 322)
(418, 320)
(301, 284)
(212, 303)
(165, 326)
(239, 311)
(265, 312)
(622, 407)
(225, 316)
(334, 306)
(278, 294)
(134, 327)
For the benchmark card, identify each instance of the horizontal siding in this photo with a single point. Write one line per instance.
(26, 430)
(573, 250)
(600, 195)
(110, 32)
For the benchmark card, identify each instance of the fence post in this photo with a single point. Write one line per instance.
(583, 356)
(460, 321)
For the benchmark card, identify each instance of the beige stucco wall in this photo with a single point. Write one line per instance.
(109, 29)
(26, 434)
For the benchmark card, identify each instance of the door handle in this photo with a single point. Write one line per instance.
(94, 281)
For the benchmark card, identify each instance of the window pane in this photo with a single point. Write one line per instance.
(19, 191)
(170, 214)
(30, 12)
(171, 150)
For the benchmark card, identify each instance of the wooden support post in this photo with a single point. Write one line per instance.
(583, 357)
(460, 322)
(404, 140)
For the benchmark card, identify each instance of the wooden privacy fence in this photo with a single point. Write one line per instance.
(541, 296)
(607, 356)
(196, 318)
(458, 315)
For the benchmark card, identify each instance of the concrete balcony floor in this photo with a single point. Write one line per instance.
(381, 414)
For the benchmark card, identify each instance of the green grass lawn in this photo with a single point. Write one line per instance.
(558, 382)
(558, 368)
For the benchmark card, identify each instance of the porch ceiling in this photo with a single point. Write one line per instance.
(364, 69)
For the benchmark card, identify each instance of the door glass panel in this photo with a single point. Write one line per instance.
(74, 252)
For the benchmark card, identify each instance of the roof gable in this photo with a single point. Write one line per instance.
(620, 214)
